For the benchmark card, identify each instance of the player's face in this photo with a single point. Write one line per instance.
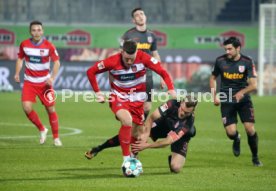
(139, 18)
(184, 111)
(36, 32)
(231, 51)
(128, 59)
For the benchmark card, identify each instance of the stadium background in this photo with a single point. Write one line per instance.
(189, 34)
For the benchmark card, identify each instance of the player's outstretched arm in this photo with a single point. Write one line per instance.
(18, 67)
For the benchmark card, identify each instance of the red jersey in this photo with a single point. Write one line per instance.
(37, 59)
(128, 83)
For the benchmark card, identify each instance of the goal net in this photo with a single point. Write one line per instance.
(267, 50)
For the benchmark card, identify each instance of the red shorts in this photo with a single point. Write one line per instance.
(45, 93)
(135, 108)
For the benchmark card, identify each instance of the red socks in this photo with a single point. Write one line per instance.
(53, 118)
(33, 117)
(125, 138)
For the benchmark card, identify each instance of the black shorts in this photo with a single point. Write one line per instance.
(179, 147)
(229, 112)
(149, 84)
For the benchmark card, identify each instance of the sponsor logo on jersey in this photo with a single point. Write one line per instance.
(35, 59)
(100, 65)
(233, 76)
(150, 40)
(134, 68)
(164, 107)
(143, 46)
(241, 69)
(154, 60)
(41, 52)
(127, 77)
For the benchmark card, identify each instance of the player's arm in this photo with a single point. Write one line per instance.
(153, 64)
(18, 68)
(148, 125)
(54, 73)
(55, 58)
(252, 82)
(98, 67)
(213, 84)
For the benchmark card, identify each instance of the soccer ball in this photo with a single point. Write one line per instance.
(132, 167)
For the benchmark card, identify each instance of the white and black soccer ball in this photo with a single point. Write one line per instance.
(132, 167)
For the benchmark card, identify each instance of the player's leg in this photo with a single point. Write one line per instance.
(109, 143)
(147, 108)
(178, 157)
(246, 113)
(53, 119)
(28, 98)
(125, 118)
(229, 119)
(149, 87)
(47, 97)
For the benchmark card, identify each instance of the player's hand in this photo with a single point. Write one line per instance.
(16, 78)
(216, 101)
(100, 97)
(238, 96)
(162, 84)
(49, 81)
(172, 93)
(139, 146)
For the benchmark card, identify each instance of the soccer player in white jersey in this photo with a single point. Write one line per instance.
(38, 53)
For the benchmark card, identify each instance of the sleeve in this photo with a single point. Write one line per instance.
(21, 53)
(216, 70)
(153, 64)
(154, 43)
(251, 71)
(184, 130)
(98, 67)
(165, 108)
(53, 53)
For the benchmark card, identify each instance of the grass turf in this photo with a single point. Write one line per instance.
(210, 165)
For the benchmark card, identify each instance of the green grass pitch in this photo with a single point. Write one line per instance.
(210, 165)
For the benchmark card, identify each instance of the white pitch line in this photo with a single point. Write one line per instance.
(75, 131)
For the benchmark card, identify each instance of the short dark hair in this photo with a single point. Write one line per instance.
(190, 101)
(35, 23)
(130, 46)
(232, 40)
(136, 9)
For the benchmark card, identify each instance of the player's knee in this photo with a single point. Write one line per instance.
(27, 108)
(147, 106)
(175, 167)
(126, 121)
(50, 109)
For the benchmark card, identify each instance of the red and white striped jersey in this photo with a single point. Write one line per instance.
(128, 83)
(37, 60)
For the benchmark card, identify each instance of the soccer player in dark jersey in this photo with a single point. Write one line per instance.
(173, 124)
(173, 121)
(238, 79)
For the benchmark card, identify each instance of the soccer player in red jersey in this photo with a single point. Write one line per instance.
(127, 72)
(38, 53)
